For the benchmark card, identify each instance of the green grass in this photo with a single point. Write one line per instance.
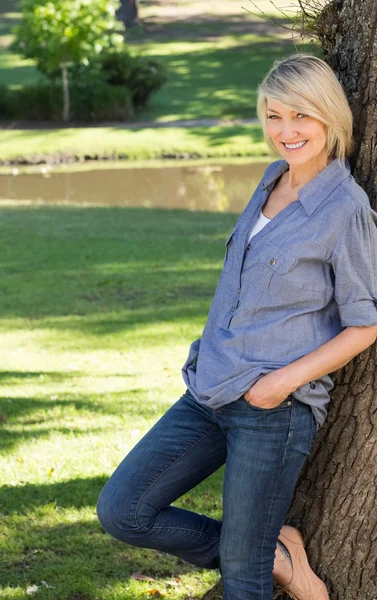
(245, 140)
(215, 60)
(99, 306)
(212, 79)
(14, 70)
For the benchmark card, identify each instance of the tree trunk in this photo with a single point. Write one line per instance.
(65, 85)
(127, 13)
(335, 500)
(336, 495)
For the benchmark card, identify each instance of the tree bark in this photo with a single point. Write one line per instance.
(335, 499)
(336, 495)
(128, 13)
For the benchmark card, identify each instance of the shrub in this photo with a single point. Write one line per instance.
(6, 107)
(43, 102)
(118, 68)
(142, 75)
(109, 88)
(101, 102)
(147, 77)
(37, 102)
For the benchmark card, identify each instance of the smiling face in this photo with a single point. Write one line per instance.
(299, 138)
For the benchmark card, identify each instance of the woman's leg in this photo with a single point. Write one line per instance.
(184, 447)
(265, 453)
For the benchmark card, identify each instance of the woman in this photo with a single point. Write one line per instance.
(296, 300)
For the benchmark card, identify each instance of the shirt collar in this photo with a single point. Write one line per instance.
(318, 188)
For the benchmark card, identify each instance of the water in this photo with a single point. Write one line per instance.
(215, 187)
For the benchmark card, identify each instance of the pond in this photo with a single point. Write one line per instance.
(212, 186)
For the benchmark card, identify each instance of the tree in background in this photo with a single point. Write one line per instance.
(59, 34)
(128, 13)
(335, 498)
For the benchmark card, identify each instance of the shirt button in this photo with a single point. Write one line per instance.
(312, 385)
(272, 261)
(239, 291)
(248, 247)
(233, 308)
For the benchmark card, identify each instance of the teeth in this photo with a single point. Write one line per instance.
(295, 145)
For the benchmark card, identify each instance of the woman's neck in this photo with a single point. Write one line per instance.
(299, 175)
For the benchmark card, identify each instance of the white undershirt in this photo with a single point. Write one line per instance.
(260, 223)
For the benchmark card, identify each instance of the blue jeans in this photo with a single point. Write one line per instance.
(263, 451)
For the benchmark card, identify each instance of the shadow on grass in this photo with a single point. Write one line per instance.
(205, 27)
(229, 76)
(8, 376)
(121, 266)
(82, 492)
(13, 75)
(217, 135)
(75, 493)
(80, 557)
(34, 413)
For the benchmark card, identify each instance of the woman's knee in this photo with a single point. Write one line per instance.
(114, 514)
(116, 511)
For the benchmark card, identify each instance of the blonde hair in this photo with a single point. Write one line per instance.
(307, 84)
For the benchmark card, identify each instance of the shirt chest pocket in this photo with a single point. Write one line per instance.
(295, 277)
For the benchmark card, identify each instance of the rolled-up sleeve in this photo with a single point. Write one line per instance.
(354, 261)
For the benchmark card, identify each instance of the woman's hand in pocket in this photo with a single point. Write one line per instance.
(268, 392)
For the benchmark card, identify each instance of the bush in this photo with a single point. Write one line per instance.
(6, 107)
(109, 88)
(143, 76)
(118, 68)
(37, 102)
(44, 102)
(147, 77)
(101, 102)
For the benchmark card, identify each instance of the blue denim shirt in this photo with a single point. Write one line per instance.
(308, 274)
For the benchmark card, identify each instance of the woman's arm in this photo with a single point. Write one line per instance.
(329, 357)
(273, 388)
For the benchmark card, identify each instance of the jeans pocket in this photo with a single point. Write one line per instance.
(283, 405)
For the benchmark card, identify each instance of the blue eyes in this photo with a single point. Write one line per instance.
(298, 114)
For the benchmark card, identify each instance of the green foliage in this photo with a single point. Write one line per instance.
(142, 75)
(61, 32)
(100, 102)
(106, 82)
(109, 88)
(6, 107)
(44, 102)
(117, 67)
(36, 102)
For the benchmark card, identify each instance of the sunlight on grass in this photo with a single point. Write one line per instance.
(219, 8)
(79, 389)
(140, 144)
(223, 43)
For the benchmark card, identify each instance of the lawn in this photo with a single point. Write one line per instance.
(215, 61)
(99, 306)
(56, 145)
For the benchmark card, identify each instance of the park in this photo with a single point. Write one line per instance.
(113, 228)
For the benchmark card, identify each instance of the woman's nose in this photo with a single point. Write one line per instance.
(289, 131)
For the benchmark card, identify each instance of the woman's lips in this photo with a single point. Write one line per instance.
(295, 149)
